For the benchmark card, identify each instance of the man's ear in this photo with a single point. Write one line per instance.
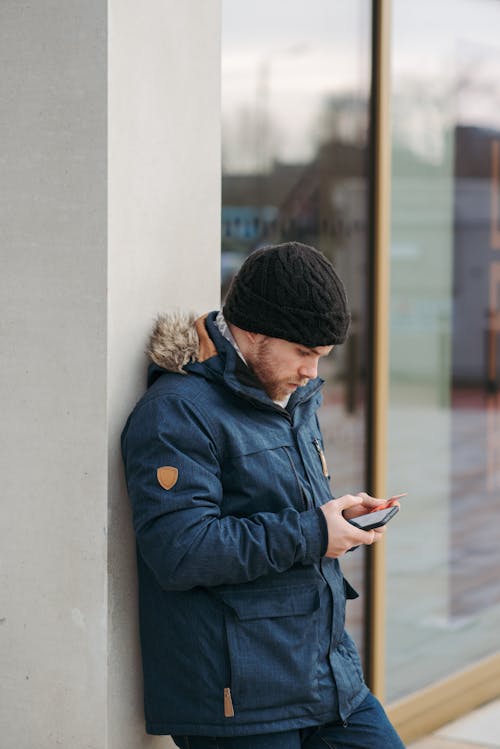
(245, 339)
(255, 339)
(252, 337)
(244, 335)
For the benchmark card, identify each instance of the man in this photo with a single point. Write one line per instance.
(242, 598)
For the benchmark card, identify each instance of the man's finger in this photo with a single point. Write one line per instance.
(348, 500)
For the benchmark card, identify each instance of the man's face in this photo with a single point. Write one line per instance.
(282, 366)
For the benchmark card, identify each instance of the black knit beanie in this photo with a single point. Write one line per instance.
(289, 291)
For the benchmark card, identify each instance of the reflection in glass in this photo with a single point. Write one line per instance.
(295, 102)
(444, 418)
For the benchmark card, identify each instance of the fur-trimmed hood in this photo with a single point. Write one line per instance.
(178, 339)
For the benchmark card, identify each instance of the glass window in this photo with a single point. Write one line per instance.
(295, 111)
(443, 552)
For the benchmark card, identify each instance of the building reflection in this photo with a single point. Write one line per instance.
(475, 402)
(445, 403)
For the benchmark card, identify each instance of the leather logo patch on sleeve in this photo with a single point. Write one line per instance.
(167, 476)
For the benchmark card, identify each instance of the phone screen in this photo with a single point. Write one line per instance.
(374, 519)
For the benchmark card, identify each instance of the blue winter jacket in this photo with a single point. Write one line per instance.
(241, 615)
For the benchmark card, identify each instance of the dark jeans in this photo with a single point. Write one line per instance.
(368, 727)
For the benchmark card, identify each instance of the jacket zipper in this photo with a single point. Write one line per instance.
(228, 700)
(299, 485)
(321, 454)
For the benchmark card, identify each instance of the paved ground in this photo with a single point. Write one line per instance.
(478, 730)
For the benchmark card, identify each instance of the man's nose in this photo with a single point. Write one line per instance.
(309, 369)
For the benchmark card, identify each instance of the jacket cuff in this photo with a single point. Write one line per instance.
(315, 533)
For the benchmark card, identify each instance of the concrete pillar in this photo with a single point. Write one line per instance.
(109, 213)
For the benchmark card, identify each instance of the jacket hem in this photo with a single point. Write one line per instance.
(251, 728)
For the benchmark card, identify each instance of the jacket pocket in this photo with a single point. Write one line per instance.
(272, 637)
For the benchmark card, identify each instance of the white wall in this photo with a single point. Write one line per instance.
(109, 213)
(53, 373)
(164, 249)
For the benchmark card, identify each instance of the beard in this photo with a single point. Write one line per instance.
(264, 365)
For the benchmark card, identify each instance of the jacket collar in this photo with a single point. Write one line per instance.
(187, 344)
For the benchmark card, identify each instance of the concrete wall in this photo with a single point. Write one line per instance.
(109, 213)
(164, 242)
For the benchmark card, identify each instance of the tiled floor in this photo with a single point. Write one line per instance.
(478, 730)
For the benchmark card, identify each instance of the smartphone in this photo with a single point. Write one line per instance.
(374, 519)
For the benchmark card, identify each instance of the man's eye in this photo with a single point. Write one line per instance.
(302, 352)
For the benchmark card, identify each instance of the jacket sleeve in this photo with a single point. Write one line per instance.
(180, 531)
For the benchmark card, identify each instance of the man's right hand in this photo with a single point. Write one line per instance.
(342, 536)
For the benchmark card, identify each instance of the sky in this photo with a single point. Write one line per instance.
(282, 60)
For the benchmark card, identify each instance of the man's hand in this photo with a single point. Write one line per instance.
(370, 504)
(342, 536)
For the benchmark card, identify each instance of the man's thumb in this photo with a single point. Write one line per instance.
(348, 500)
